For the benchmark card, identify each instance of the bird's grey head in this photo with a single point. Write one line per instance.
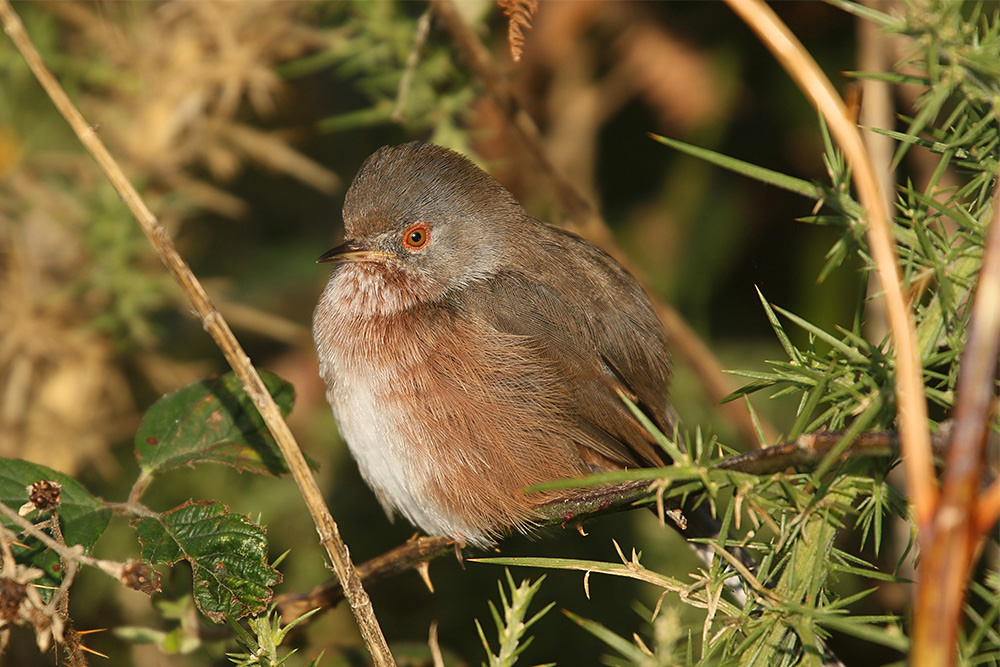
(431, 213)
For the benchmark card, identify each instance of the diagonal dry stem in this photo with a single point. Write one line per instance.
(217, 327)
(955, 539)
(954, 521)
(912, 405)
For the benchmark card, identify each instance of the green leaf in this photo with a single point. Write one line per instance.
(786, 342)
(856, 626)
(227, 553)
(668, 445)
(833, 342)
(627, 649)
(82, 517)
(886, 21)
(762, 174)
(212, 421)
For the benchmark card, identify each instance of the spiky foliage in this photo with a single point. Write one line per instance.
(822, 536)
(512, 621)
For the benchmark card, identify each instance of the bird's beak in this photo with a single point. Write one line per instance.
(351, 251)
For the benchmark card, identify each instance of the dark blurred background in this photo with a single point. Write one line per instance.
(243, 124)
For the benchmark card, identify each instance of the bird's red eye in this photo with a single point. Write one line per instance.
(417, 236)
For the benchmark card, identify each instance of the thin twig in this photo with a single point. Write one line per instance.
(578, 208)
(575, 507)
(65, 552)
(407, 556)
(412, 59)
(217, 327)
(589, 502)
(685, 343)
(432, 641)
(912, 406)
(808, 450)
(69, 560)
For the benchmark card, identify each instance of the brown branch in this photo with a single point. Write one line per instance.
(988, 512)
(412, 59)
(955, 537)
(809, 450)
(582, 214)
(66, 553)
(578, 208)
(804, 452)
(912, 406)
(574, 509)
(707, 368)
(407, 556)
(217, 327)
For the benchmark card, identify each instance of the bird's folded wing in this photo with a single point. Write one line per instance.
(603, 342)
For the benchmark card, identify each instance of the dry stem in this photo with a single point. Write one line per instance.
(955, 538)
(912, 406)
(951, 524)
(217, 327)
(407, 556)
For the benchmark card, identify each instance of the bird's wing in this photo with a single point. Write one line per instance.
(584, 317)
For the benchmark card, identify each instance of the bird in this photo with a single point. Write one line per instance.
(471, 351)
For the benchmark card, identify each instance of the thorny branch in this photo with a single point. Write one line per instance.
(909, 387)
(803, 453)
(19, 598)
(950, 523)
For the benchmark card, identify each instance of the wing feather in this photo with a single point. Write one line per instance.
(584, 316)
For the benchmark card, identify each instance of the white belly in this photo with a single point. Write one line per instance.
(373, 416)
(393, 467)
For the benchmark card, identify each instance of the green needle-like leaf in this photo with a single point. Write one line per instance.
(629, 650)
(762, 174)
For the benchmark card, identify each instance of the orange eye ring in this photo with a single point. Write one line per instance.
(417, 236)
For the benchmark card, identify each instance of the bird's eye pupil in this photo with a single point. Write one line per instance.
(416, 237)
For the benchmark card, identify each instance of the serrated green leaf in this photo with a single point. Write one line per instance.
(82, 517)
(227, 553)
(212, 421)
